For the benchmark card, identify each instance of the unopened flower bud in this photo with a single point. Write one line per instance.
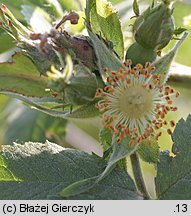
(139, 54)
(155, 27)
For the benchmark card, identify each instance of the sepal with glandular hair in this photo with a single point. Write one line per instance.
(154, 28)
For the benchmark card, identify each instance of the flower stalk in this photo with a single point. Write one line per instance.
(136, 167)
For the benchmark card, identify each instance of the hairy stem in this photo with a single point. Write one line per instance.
(138, 175)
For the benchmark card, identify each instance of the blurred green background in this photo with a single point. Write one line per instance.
(18, 123)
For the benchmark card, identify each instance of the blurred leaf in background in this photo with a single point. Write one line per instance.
(181, 13)
(23, 124)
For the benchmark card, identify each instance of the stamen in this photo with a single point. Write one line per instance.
(105, 70)
(169, 131)
(172, 123)
(147, 64)
(177, 94)
(119, 139)
(128, 62)
(151, 86)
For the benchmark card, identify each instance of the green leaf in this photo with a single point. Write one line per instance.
(104, 20)
(6, 42)
(163, 64)
(149, 152)
(21, 76)
(136, 8)
(40, 171)
(173, 180)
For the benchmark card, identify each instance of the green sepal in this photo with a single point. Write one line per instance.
(119, 151)
(163, 64)
(86, 111)
(106, 58)
(82, 86)
(105, 137)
